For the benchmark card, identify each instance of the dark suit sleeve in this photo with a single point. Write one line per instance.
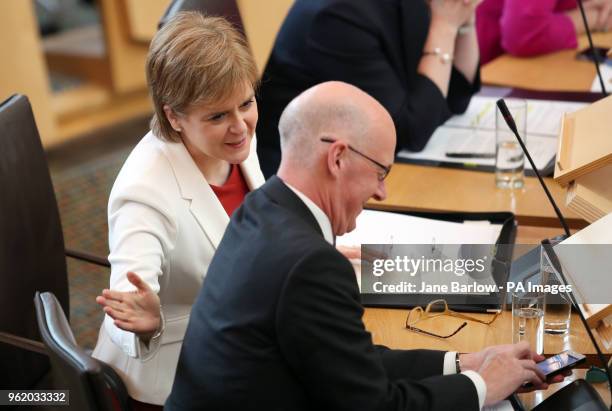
(325, 344)
(344, 45)
(413, 364)
(460, 91)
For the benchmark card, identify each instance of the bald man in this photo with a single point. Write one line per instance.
(277, 325)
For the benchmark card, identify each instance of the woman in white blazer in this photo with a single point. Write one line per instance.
(165, 218)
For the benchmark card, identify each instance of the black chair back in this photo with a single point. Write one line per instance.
(31, 241)
(93, 385)
(223, 8)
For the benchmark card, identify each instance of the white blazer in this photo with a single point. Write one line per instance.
(165, 223)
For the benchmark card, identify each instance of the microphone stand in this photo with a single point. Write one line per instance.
(501, 104)
(547, 246)
(592, 48)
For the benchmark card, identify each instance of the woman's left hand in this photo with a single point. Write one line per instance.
(136, 311)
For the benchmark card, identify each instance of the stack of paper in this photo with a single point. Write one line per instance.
(606, 74)
(474, 132)
(379, 227)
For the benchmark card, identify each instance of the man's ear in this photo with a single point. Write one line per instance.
(172, 118)
(336, 158)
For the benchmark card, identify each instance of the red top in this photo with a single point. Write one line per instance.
(232, 193)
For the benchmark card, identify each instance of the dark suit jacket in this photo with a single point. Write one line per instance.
(277, 326)
(375, 45)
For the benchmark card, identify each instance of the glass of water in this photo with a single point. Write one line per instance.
(509, 157)
(528, 319)
(557, 306)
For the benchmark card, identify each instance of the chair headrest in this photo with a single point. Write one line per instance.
(224, 8)
(92, 383)
(57, 335)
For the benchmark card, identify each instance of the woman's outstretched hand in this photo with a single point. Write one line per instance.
(136, 311)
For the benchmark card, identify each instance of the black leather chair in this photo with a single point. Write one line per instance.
(224, 8)
(32, 253)
(93, 385)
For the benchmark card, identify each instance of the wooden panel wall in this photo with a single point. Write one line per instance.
(23, 68)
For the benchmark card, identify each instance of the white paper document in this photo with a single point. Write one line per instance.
(586, 260)
(606, 74)
(448, 238)
(379, 227)
(474, 132)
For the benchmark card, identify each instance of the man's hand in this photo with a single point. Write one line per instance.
(505, 371)
(473, 361)
(506, 368)
(136, 311)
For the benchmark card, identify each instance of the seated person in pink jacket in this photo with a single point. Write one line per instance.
(532, 27)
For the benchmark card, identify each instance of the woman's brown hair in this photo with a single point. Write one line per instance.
(195, 59)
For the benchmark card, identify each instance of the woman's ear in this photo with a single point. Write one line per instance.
(172, 118)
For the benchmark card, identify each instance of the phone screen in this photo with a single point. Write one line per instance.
(558, 362)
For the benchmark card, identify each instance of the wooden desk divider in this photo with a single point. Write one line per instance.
(584, 160)
(585, 142)
(591, 195)
(587, 270)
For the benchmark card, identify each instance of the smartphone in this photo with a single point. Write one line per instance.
(600, 52)
(560, 362)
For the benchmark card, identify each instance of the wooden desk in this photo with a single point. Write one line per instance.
(420, 188)
(388, 325)
(387, 328)
(558, 71)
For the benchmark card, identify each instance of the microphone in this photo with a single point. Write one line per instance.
(501, 104)
(503, 108)
(592, 48)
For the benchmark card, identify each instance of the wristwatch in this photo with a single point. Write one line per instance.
(457, 364)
